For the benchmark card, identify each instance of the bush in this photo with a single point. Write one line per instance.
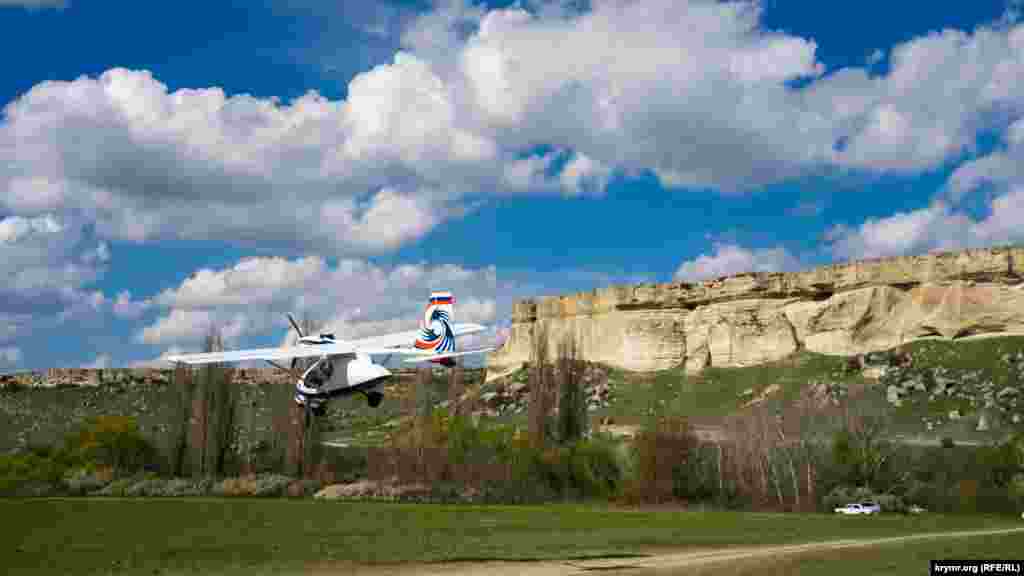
(262, 485)
(661, 453)
(596, 469)
(146, 487)
(343, 465)
(185, 487)
(12, 387)
(583, 469)
(86, 461)
(842, 495)
(113, 441)
(118, 487)
(31, 474)
(84, 482)
(271, 485)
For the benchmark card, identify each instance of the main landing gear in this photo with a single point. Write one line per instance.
(374, 398)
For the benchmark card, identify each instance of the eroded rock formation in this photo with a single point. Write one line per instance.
(748, 319)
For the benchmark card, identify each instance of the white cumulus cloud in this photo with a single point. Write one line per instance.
(47, 264)
(730, 259)
(695, 91)
(353, 298)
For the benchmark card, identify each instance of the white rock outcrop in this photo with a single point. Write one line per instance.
(748, 319)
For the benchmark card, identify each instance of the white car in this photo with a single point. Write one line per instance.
(859, 508)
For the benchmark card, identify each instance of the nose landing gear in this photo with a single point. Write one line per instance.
(316, 407)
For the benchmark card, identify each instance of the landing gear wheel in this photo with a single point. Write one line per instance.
(319, 410)
(374, 398)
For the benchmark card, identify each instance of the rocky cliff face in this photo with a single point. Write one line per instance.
(747, 319)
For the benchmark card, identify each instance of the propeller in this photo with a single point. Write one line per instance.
(297, 329)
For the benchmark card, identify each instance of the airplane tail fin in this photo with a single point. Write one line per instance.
(436, 334)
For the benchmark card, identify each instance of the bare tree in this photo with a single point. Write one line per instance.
(456, 389)
(214, 407)
(572, 407)
(540, 382)
(212, 342)
(305, 432)
(423, 405)
(179, 407)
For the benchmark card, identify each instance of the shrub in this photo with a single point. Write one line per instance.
(118, 487)
(12, 387)
(31, 474)
(84, 482)
(583, 469)
(262, 485)
(842, 495)
(342, 465)
(242, 486)
(271, 485)
(145, 487)
(596, 471)
(113, 441)
(890, 503)
(186, 487)
(661, 452)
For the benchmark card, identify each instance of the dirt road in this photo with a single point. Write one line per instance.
(665, 563)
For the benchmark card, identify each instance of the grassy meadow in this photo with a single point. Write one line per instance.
(228, 536)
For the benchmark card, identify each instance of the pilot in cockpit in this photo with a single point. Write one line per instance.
(321, 374)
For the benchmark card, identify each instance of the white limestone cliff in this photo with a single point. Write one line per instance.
(748, 319)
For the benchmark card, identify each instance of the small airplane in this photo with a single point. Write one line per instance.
(346, 367)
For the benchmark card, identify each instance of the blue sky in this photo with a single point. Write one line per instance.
(168, 167)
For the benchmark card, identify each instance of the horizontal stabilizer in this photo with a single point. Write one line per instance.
(434, 357)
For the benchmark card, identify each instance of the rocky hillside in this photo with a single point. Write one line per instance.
(40, 407)
(750, 319)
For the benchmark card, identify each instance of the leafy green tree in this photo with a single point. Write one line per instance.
(861, 457)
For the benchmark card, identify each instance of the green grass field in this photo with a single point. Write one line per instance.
(147, 536)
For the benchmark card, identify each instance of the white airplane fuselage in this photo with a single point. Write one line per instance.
(339, 375)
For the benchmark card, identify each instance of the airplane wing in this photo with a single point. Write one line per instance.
(432, 357)
(395, 342)
(285, 353)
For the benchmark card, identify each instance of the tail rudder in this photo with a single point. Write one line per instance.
(436, 333)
